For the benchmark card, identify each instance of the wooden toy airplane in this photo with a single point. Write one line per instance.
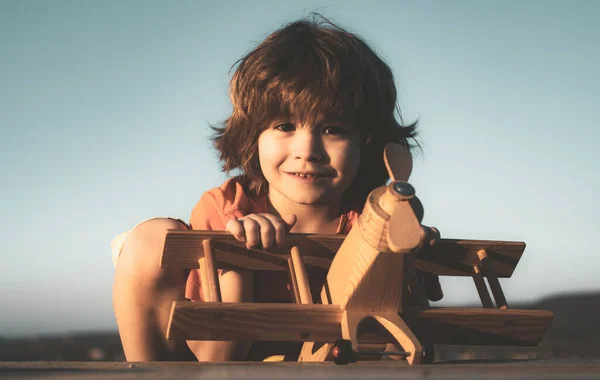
(373, 292)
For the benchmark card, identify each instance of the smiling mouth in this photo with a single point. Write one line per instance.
(305, 175)
(308, 175)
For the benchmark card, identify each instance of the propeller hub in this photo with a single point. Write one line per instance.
(403, 188)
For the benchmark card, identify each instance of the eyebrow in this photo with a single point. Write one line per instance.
(323, 122)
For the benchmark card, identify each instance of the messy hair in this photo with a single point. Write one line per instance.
(313, 67)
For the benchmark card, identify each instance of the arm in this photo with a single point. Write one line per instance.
(236, 286)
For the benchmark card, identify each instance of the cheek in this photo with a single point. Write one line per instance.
(263, 152)
(353, 156)
(349, 159)
(269, 153)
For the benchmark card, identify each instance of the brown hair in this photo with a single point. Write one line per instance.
(313, 67)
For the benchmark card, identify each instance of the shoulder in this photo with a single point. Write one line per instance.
(228, 201)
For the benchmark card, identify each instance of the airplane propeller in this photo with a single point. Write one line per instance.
(405, 232)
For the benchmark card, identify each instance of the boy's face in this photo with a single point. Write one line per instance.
(309, 163)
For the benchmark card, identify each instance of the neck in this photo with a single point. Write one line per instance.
(317, 218)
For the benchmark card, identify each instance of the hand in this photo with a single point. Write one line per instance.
(432, 236)
(261, 229)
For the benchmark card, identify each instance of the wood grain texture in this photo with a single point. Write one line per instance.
(322, 323)
(401, 334)
(381, 289)
(292, 279)
(182, 250)
(449, 257)
(301, 278)
(365, 275)
(256, 322)
(210, 278)
(405, 232)
(349, 323)
(475, 326)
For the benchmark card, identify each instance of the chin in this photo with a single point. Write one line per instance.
(310, 201)
(306, 201)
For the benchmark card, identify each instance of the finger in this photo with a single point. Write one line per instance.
(425, 237)
(266, 230)
(435, 236)
(279, 227)
(237, 229)
(431, 236)
(252, 229)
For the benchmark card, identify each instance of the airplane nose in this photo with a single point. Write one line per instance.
(403, 188)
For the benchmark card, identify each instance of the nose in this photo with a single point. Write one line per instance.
(308, 145)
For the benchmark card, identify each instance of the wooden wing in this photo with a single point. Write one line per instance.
(450, 257)
(322, 323)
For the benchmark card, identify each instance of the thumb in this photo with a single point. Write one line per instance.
(289, 220)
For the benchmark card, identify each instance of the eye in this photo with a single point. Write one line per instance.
(335, 130)
(285, 127)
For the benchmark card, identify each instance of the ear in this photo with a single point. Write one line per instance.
(398, 161)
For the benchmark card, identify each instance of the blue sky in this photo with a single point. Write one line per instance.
(105, 107)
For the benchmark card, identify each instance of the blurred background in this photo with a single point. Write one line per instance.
(105, 109)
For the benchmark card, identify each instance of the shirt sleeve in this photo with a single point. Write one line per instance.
(212, 212)
(207, 215)
(203, 214)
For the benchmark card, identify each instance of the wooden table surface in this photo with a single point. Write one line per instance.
(511, 369)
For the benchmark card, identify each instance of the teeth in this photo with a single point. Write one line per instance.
(304, 175)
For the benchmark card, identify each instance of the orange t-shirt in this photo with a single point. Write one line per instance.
(229, 201)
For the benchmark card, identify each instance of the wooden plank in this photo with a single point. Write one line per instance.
(476, 326)
(454, 257)
(251, 321)
(450, 257)
(210, 278)
(495, 286)
(301, 277)
(182, 250)
(484, 295)
(322, 323)
(292, 280)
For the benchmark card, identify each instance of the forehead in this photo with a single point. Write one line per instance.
(316, 112)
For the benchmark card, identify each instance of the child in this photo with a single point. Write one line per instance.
(313, 107)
